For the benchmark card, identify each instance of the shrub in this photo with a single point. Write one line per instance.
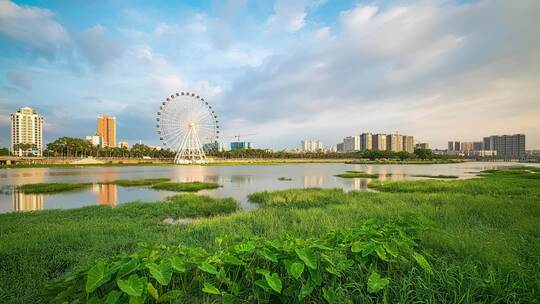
(339, 267)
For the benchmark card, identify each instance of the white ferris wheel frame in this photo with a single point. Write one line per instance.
(186, 122)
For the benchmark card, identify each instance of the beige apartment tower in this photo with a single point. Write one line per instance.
(394, 142)
(26, 133)
(379, 142)
(408, 143)
(106, 128)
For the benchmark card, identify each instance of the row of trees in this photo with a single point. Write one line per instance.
(76, 147)
(369, 154)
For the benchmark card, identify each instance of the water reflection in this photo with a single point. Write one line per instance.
(237, 181)
(27, 202)
(313, 181)
(107, 194)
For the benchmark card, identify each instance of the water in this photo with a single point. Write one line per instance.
(237, 181)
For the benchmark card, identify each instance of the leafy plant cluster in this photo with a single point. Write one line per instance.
(342, 266)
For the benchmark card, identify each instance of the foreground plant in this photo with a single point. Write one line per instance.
(342, 266)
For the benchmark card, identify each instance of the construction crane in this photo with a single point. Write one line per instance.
(237, 136)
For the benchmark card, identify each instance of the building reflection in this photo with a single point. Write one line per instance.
(27, 202)
(313, 181)
(107, 194)
(359, 183)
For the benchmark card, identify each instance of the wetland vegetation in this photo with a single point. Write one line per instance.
(441, 241)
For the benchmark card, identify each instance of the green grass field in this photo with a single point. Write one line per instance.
(185, 187)
(357, 174)
(484, 247)
(50, 188)
(436, 176)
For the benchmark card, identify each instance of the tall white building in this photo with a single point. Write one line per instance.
(26, 132)
(351, 144)
(366, 142)
(311, 145)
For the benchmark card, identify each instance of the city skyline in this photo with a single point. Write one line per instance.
(302, 69)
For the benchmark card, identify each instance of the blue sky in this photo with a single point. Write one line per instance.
(282, 70)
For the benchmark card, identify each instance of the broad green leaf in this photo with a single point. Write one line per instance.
(152, 290)
(136, 300)
(133, 286)
(263, 271)
(296, 270)
(329, 295)
(113, 297)
(231, 259)
(161, 273)
(211, 289)
(274, 282)
(170, 295)
(356, 247)
(127, 268)
(96, 277)
(368, 248)
(376, 283)
(247, 247)
(381, 253)
(263, 284)
(177, 264)
(421, 260)
(308, 257)
(306, 290)
(315, 276)
(207, 267)
(268, 255)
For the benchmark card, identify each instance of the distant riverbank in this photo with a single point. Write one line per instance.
(75, 163)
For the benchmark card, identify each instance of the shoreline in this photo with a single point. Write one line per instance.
(226, 162)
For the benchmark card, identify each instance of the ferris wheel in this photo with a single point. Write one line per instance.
(186, 123)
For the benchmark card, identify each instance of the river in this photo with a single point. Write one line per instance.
(237, 181)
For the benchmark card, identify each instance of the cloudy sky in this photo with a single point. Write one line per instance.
(284, 70)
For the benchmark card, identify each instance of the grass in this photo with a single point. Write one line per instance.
(357, 174)
(38, 246)
(185, 187)
(50, 188)
(139, 182)
(282, 178)
(486, 246)
(435, 176)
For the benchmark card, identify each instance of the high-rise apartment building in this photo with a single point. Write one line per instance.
(378, 142)
(408, 143)
(26, 132)
(467, 146)
(422, 146)
(394, 142)
(366, 142)
(454, 146)
(478, 146)
(106, 128)
(507, 146)
(351, 144)
(311, 145)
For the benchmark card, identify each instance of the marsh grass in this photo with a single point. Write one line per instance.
(435, 176)
(185, 187)
(139, 182)
(357, 174)
(50, 188)
(484, 249)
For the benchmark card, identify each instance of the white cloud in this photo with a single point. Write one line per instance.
(416, 68)
(99, 48)
(32, 26)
